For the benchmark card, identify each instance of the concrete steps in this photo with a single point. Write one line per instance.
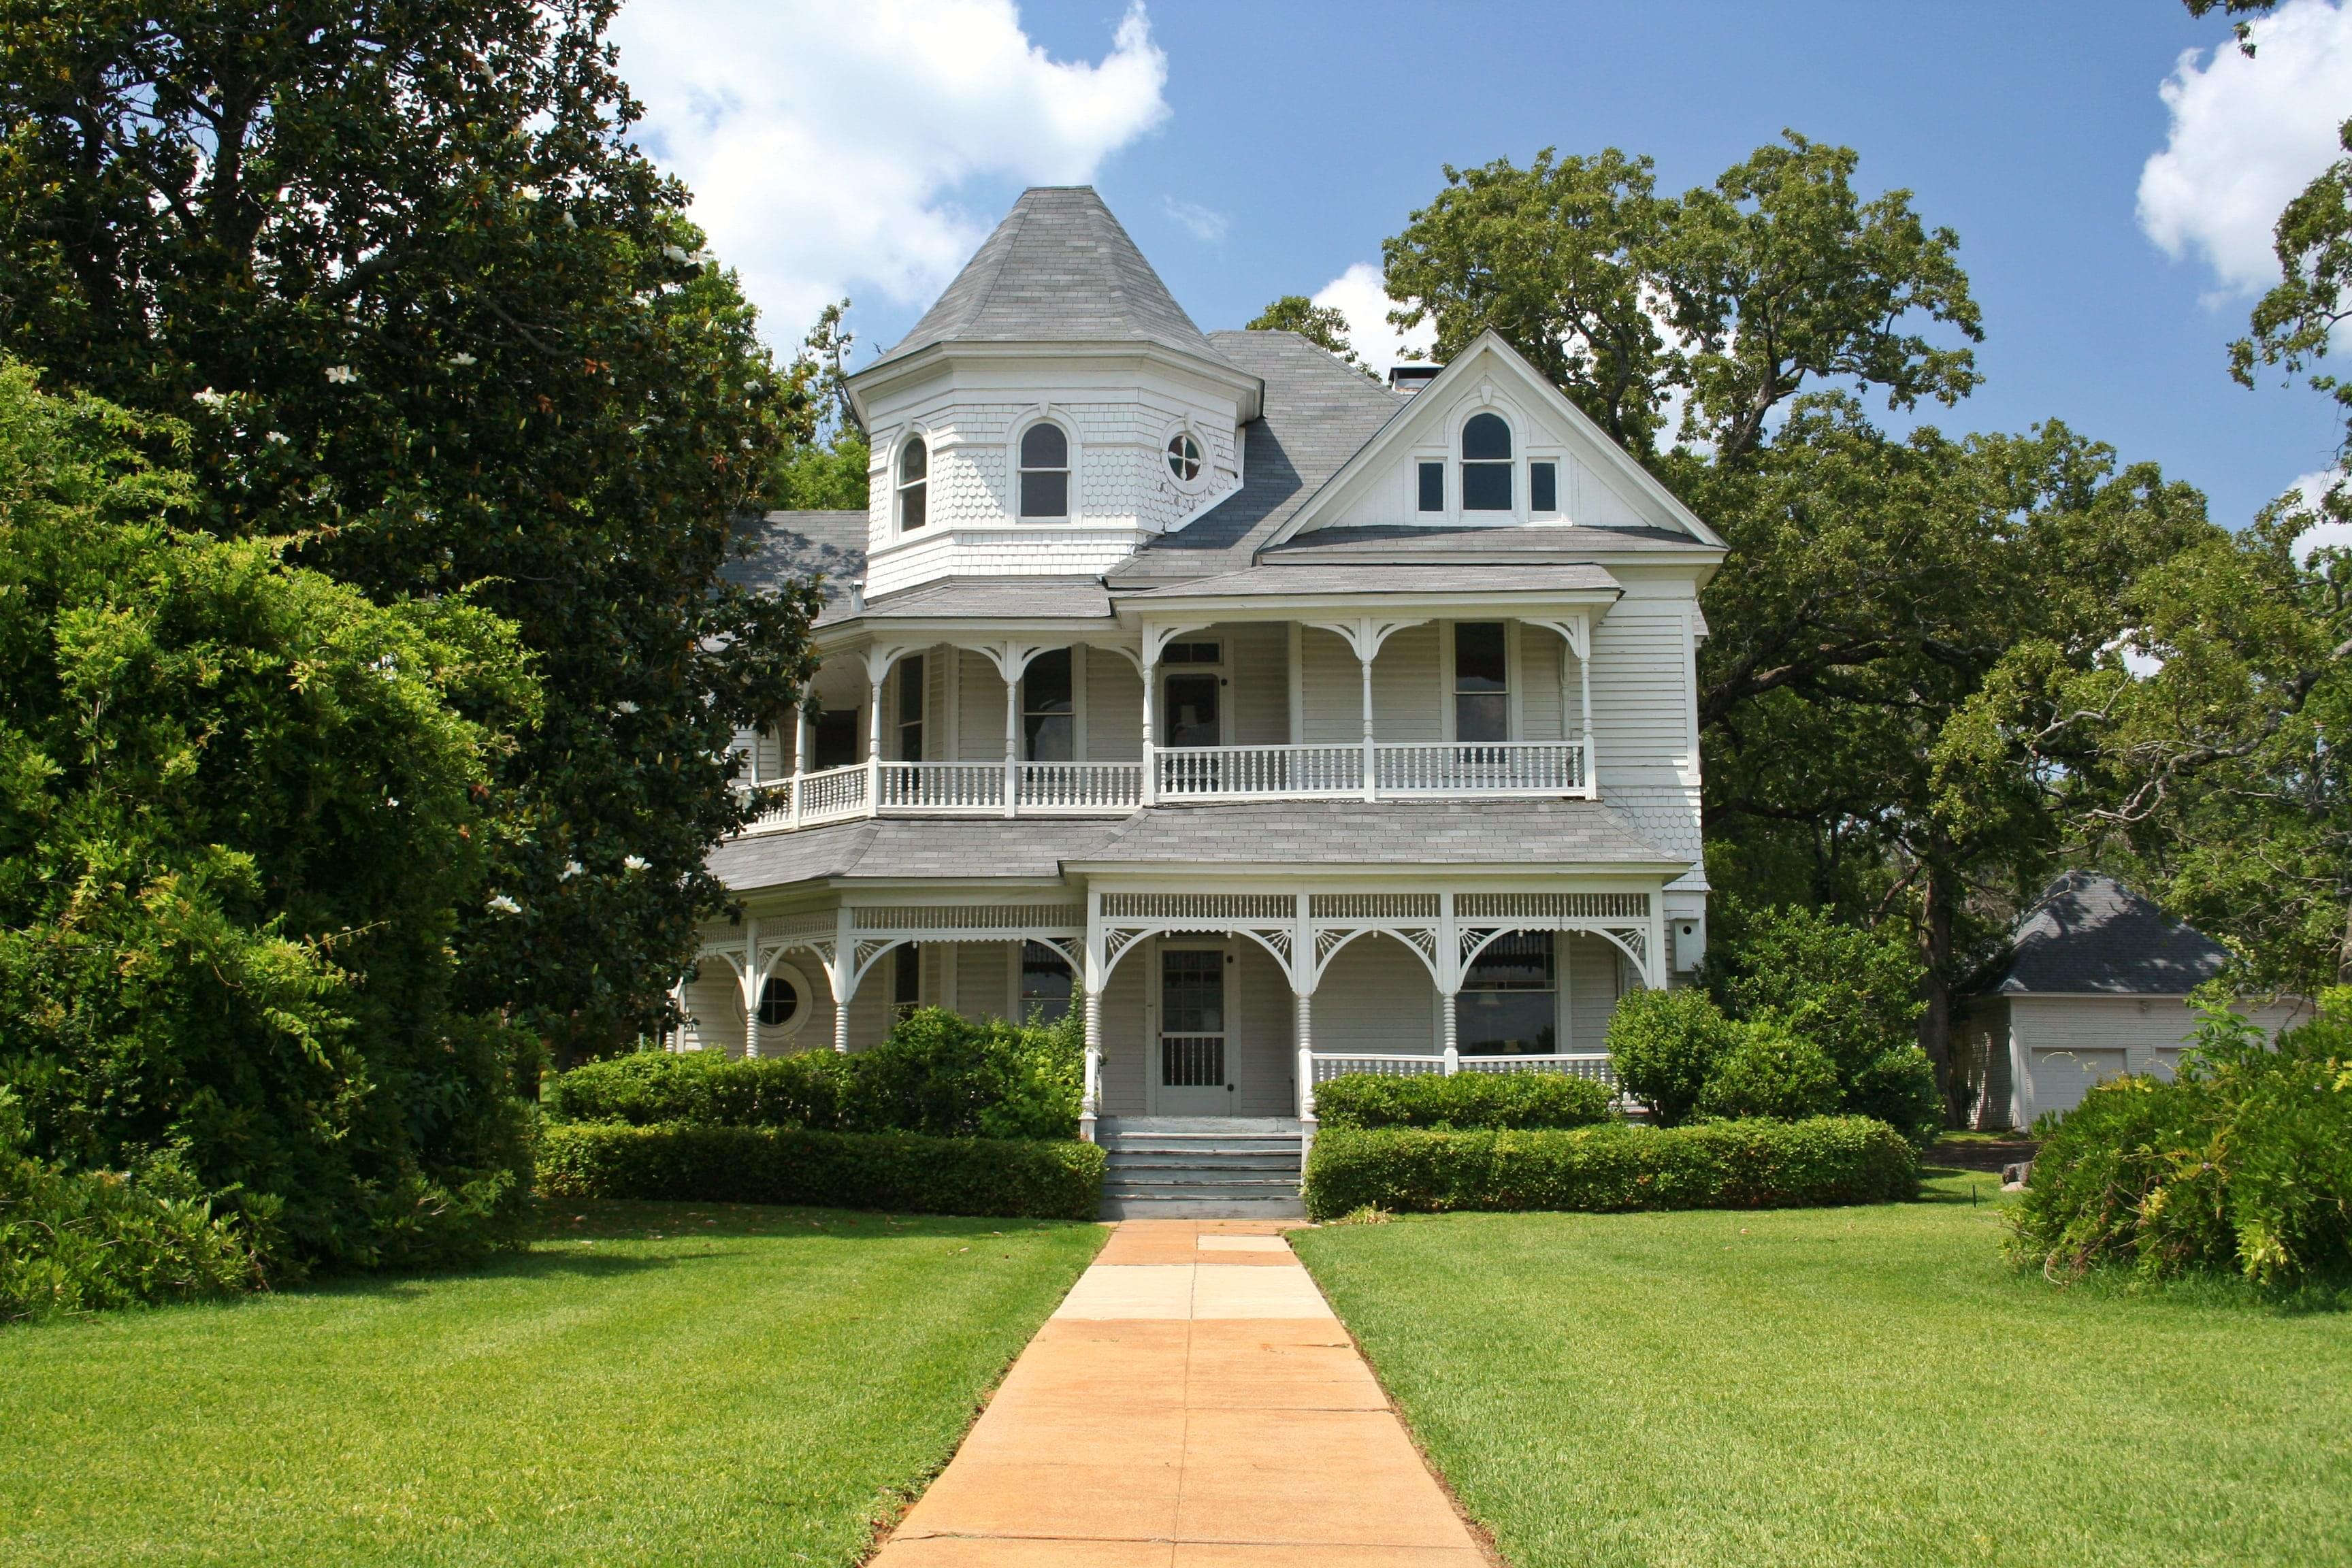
(1200, 1167)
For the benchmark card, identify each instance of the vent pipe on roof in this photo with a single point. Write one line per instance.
(1411, 378)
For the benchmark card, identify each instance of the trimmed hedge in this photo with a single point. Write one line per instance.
(1466, 1099)
(904, 1171)
(1707, 1166)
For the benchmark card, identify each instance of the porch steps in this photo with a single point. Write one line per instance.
(1200, 1167)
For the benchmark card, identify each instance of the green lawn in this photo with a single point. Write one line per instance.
(652, 1383)
(1864, 1387)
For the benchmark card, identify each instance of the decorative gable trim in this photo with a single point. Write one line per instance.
(1487, 361)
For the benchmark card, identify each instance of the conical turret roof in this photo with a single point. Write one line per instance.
(1059, 269)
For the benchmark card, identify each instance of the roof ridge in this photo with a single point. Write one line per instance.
(1010, 232)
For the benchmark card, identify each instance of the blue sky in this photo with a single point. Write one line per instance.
(1258, 148)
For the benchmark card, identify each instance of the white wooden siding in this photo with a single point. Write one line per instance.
(1330, 689)
(1406, 701)
(1125, 1056)
(1640, 696)
(980, 710)
(1593, 973)
(1113, 709)
(983, 978)
(1264, 1070)
(1257, 669)
(714, 1010)
(1376, 996)
(1538, 686)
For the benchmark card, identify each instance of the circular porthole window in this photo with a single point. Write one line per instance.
(1184, 456)
(784, 1000)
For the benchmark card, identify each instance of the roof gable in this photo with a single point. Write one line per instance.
(1491, 372)
(2091, 934)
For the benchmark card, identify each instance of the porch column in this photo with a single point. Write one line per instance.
(877, 674)
(751, 987)
(1366, 651)
(1090, 976)
(674, 1036)
(839, 975)
(1584, 681)
(1453, 1040)
(1011, 738)
(1306, 1029)
(1449, 980)
(1148, 665)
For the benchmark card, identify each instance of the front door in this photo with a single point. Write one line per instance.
(1191, 716)
(1195, 1061)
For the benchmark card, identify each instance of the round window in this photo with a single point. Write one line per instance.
(779, 1002)
(1184, 456)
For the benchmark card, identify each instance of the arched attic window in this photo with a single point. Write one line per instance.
(1486, 464)
(1045, 471)
(914, 484)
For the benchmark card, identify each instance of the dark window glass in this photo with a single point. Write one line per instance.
(1048, 717)
(1482, 699)
(1044, 472)
(914, 472)
(1184, 458)
(910, 709)
(835, 743)
(1509, 1003)
(1192, 992)
(1543, 487)
(1486, 436)
(1433, 487)
(1193, 653)
(1045, 982)
(1189, 716)
(780, 1001)
(906, 980)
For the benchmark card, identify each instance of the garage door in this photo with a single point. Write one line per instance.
(2061, 1077)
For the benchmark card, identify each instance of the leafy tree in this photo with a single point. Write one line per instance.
(823, 468)
(1325, 326)
(425, 311)
(244, 814)
(2295, 322)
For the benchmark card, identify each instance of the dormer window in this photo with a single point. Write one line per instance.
(1184, 458)
(1486, 464)
(1044, 472)
(914, 484)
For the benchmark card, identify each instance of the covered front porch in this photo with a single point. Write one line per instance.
(1232, 1003)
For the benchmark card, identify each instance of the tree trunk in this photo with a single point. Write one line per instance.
(1936, 986)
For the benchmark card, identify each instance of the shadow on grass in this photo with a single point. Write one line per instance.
(1953, 1184)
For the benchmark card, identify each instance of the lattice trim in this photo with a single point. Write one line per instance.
(1552, 906)
(967, 917)
(1373, 906)
(1225, 909)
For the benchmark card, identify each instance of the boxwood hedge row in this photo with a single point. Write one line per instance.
(904, 1171)
(1713, 1164)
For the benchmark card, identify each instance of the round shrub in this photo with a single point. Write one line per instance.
(1898, 1088)
(1665, 1045)
(1770, 1072)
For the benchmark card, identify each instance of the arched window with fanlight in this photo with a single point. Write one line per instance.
(1045, 471)
(914, 484)
(1486, 464)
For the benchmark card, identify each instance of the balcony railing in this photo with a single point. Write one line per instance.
(1399, 770)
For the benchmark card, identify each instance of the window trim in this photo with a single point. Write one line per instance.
(1070, 448)
(1511, 465)
(899, 484)
(799, 1020)
(1186, 430)
(1556, 967)
(1450, 680)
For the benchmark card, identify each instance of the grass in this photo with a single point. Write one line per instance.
(1843, 1386)
(651, 1383)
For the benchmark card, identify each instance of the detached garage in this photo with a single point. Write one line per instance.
(2096, 984)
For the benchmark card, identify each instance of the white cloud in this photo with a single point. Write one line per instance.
(1202, 223)
(2247, 135)
(1359, 295)
(2310, 494)
(825, 143)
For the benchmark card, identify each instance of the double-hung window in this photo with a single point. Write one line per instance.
(1486, 464)
(1049, 719)
(914, 484)
(1044, 472)
(910, 709)
(1045, 982)
(1510, 1002)
(1482, 683)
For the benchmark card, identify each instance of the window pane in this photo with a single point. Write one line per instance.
(1045, 689)
(1045, 447)
(1516, 961)
(1050, 737)
(1184, 458)
(1045, 982)
(1047, 494)
(1543, 487)
(779, 1002)
(1433, 487)
(914, 460)
(1485, 486)
(1192, 992)
(910, 709)
(1191, 653)
(907, 980)
(1478, 661)
(1485, 435)
(834, 744)
(1190, 715)
(913, 507)
(1482, 717)
(1506, 1024)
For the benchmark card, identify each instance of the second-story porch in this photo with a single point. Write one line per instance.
(1029, 697)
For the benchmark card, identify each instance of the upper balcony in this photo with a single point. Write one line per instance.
(1393, 708)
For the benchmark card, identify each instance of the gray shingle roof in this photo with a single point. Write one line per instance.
(997, 598)
(1059, 269)
(1533, 541)
(1317, 413)
(893, 848)
(789, 545)
(1405, 833)
(1374, 577)
(2092, 934)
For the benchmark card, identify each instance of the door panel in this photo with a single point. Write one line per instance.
(1193, 1062)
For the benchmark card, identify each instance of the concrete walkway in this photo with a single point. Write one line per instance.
(1192, 1403)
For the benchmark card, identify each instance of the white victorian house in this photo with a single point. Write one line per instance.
(1300, 724)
